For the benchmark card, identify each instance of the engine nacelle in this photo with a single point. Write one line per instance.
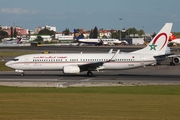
(71, 69)
(176, 60)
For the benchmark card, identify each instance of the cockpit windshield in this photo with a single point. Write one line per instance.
(15, 59)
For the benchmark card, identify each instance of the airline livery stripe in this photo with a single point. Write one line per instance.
(79, 62)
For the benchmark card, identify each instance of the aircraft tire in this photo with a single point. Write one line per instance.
(89, 73)
(22, 74)
(172, 63)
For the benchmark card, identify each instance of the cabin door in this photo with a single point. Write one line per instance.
(27, 63)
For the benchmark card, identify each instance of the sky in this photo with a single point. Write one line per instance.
(149, 15)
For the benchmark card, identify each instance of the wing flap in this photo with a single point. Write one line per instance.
(90, 66)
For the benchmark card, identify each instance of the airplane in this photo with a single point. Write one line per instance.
(97, 41)
(74, 63)
(16, 41)
(173, 39)
(9, 43)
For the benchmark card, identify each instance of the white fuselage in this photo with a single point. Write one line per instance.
(95, 41)
(177, 41)
(58, 61)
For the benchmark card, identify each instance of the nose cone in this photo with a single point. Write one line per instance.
(7, 64)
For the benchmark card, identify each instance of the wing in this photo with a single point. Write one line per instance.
(91, 66)
(97, 65)
(165, 55)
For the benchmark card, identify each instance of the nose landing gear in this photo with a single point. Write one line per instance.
(20, 71)
(22, 74)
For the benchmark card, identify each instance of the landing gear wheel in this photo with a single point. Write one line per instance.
(158, 63)
(172, 64)
(22, 74)
(89, 73)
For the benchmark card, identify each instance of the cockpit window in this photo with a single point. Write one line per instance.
(15, 59)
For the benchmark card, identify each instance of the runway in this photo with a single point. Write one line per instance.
(149, 75)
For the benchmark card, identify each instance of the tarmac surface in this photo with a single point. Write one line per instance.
(71, 49)
(163, 74)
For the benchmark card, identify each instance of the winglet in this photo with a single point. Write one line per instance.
(114, 56)
(110, 51)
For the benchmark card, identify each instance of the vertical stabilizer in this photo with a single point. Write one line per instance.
(19, 41)
(77, 35)
(172, 37)
(158, 44)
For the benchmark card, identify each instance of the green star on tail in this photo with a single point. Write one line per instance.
(153, 47)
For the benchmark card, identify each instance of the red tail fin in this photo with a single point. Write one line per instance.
(19, 41)
(172, 37)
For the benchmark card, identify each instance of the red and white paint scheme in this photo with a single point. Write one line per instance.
(74, 63)
(174, 39)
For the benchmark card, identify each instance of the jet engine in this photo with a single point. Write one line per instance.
(176, 60)
(71, 69)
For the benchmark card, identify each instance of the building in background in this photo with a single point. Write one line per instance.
(64, 38)
(104, 33)
(45, 37)
(21, 32)
(36, 30)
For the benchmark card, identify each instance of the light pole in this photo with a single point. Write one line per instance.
(144, 31)
(144, 34)
(120, 28)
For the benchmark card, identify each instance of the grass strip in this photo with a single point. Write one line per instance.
(101, 103)
(15, 53)
(3, 67)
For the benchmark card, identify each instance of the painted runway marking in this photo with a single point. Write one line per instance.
(86, 79)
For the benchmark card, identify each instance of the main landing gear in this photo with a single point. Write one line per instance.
(89, 73)
(22, 74)
(172, 63)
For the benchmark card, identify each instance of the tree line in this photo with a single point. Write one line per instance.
(94, 33)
